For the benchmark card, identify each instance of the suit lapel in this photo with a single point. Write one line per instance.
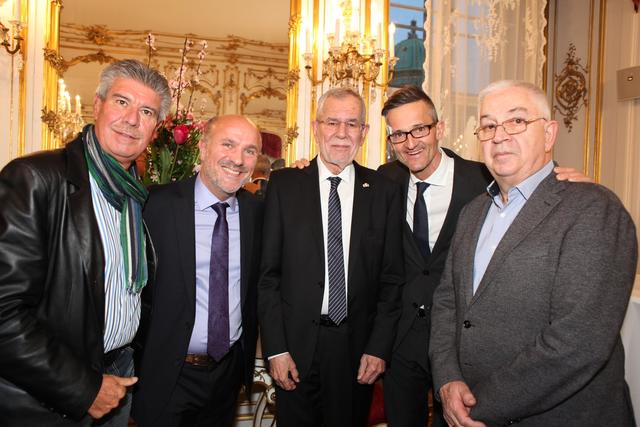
(362, 198)
(540, 204)
(458, 197)
(86, 228)
(247, 221)
(184, 220)
(309, 196)
(412, 252)
(468, 249)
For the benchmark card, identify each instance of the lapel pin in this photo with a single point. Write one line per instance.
(365, 185)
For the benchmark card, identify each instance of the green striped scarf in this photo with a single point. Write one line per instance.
(124, 192)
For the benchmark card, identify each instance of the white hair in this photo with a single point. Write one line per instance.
(539, 97)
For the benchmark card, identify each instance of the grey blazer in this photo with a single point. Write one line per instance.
(539, 343)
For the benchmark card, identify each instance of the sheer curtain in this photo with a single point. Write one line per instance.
(470, 43)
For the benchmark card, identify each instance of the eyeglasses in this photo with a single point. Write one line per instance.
(420, 131)
(334, 125)
(511, 127)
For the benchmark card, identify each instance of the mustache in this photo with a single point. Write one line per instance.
(128, 130)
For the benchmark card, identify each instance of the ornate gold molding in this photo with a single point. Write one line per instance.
(50, 118)
(294, 23)
(61, 65)
(98, 34)
(56, 61)
(571, 88)
(267, 92)
(293, 76)
(292, 134)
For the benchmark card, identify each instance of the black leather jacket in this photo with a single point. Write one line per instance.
(51, 290)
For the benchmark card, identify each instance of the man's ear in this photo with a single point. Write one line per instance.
(550, 135)
(97, 105)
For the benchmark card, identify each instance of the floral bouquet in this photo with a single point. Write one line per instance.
(174, 155)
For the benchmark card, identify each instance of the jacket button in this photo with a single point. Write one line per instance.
(425, 272)
(466, 324)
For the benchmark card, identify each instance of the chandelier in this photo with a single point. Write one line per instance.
(68, 122)
(354, 61)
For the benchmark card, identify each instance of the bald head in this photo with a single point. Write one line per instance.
(229, 150)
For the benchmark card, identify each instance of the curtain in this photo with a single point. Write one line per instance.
(470, 43)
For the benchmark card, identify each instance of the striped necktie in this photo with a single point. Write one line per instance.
(335, 257)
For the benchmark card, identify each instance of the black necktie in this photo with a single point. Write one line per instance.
(218, 326)
(421, 220)
(335, 257)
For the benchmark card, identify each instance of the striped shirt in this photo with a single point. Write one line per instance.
(121, 307)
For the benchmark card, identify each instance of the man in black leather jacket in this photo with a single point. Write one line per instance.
(73, 258)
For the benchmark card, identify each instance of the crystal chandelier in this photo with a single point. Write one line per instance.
(354, 61)
(68, 122)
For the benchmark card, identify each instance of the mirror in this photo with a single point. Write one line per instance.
(245, 64)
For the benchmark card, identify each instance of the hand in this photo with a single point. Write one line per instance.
(370, 369)
(112, 390)
(300, 163)
(457, 401)
(571, 174)
(283, 370)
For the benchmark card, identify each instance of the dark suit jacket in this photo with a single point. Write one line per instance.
(539, 340)
(169, 214)
(292, 274)
(422, 276)
(51, 290)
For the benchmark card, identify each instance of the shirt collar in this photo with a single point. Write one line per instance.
(439, 176)
(205, 198)
(526, 187)
(347, 175)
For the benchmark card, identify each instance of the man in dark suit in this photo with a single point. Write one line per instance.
(69, 303)
(415, 133)
(200, 344)
(331, 275)
(526, 321)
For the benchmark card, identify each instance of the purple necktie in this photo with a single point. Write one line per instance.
(218, 332)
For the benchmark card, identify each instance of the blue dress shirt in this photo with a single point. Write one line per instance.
(205, 219)
(500, 217)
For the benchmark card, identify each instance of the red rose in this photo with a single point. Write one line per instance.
(180, 134)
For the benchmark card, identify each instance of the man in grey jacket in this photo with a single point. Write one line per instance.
(526, 320)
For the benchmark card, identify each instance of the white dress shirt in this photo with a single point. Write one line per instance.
(437, 196)
(345, 192)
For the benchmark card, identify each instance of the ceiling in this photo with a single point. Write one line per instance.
(254, 19)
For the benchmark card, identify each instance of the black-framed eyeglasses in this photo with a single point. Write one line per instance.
(334, 125)
(511, 127)
(420, 131)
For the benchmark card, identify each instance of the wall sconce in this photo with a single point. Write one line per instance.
(11, 37)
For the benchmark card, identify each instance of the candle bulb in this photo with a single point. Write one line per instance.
(78, 105)
(308, 42)
(337, 39)
(17, 10)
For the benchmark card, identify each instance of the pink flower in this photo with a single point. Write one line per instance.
(180, 134)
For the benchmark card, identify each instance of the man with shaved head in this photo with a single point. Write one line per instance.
(200, 344)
